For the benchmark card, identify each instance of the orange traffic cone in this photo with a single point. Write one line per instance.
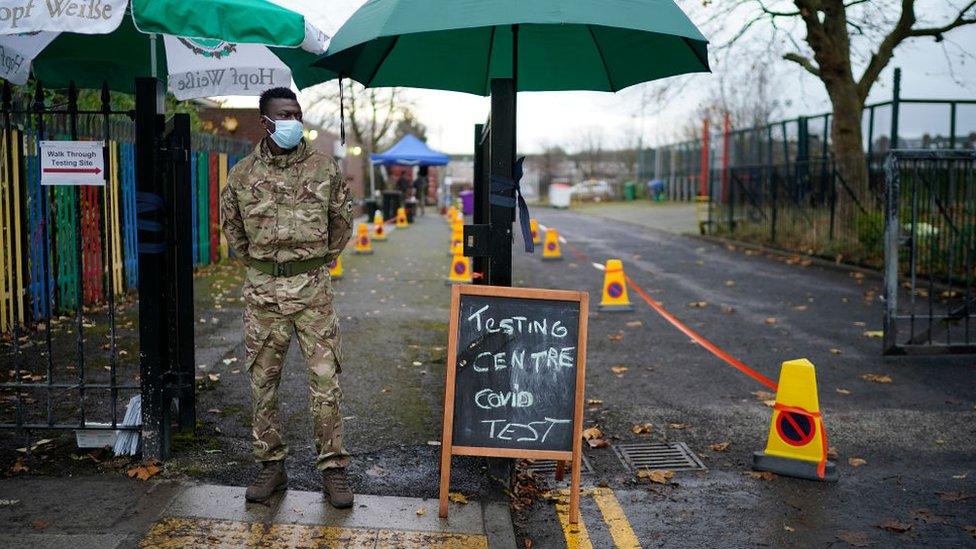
(550, 249)
(379, 229)
(401, 218)
(460, 270)
(797, 443)
(457, 240)
(363, 244)
(335, 268)
(615, 288)
(534, 228)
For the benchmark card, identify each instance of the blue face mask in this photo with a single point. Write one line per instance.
(287, 134)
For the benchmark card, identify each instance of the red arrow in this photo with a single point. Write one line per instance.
(95, 171)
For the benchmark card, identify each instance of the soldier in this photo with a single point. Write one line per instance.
(287, 213)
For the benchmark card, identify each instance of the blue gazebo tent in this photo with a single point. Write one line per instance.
(410, 151)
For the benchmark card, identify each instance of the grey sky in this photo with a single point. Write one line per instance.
(561, 118)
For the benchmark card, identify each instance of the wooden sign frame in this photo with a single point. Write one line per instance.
(575, 455)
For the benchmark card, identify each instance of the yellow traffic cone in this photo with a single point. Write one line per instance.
(451, 214)
(797, 443)
(457, 240)
(550, 249)
(379, 229)
(534, 228)
(335, 268)
(460, 270)
(363, 244)
(615, 296)
(401, 218)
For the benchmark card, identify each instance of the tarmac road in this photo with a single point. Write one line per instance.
(915, 434)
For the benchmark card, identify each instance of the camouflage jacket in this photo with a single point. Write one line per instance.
(285, 208)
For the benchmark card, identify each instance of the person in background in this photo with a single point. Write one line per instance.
(420, 188)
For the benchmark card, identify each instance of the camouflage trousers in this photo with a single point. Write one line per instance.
(267, 335)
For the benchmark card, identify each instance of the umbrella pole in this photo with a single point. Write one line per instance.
(152, 55)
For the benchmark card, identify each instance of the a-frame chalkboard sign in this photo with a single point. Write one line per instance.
(516, 368)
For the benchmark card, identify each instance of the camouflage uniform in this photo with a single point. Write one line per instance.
(285, 208)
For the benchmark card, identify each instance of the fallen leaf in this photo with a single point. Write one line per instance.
(762, 475)
(719, 446)
(594, 402)
(635, 324)
(19, 467)
(800, 308)
(835, 351)
(594, 438)
(771, 320)
(457, 497)
(615, 337)
(842, 391)
(960, 477)
(678, 425)
(417, 363)
(229, 361)
(698, 304)
(618, 369)
(213, 377)
(764, 395)
(892, 525)
(422, 511)
(857, 539)
(789, 528)
(385, 390)
(214, 410)
(877, 378)
(856, 462)
(144, 471)
(659, 476)
(592, 432)
(874, 333)
(730, 283)
(831, 453)
(641, 428)
(433, 443)
(728, 309)
(526, 543)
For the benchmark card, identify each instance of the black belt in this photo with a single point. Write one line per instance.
(288, 268)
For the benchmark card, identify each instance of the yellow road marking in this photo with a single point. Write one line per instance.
(179, 533)
(576, 535)
(620, 530)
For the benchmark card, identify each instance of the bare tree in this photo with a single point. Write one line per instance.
(848, 44)
(370, 114)
(589, 152)
(550, 164)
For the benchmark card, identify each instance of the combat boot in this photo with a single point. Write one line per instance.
(335, 484)
(272, 478)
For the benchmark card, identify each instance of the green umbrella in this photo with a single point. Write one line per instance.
(461, 45)
(240, 21)
(238, 34)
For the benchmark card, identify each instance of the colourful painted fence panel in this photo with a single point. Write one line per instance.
(41, 227)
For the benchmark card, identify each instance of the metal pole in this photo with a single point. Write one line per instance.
(152, 266)
(703, 174)
(152, 55)
(182, 263)
(895, 108)
(79, 255)
(481, 204)
(891, 235)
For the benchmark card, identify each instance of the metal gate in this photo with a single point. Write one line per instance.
(930, 252)
(76, 345)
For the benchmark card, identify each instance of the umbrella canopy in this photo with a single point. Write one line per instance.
(410, 151)
(240, 21)
(201, 59)
(461, 45)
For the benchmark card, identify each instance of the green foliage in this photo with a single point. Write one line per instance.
(870, 228)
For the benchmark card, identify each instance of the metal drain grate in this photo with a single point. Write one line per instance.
(654, 455)
(548, 467)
